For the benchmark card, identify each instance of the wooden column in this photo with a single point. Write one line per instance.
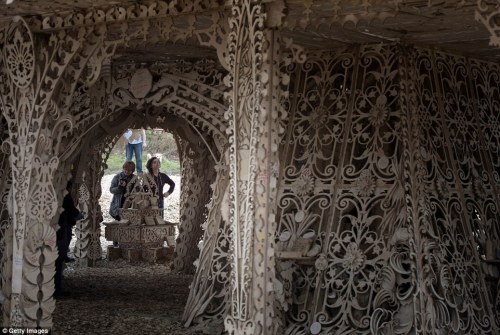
(252, 170)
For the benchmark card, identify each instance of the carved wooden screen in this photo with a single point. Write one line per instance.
(457, 118)
(382, 156)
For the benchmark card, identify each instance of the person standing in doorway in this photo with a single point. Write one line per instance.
(67, 220)
(136, 141)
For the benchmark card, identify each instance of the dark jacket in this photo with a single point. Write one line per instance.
(160, 181)
(118, 193)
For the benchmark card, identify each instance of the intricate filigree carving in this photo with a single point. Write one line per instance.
(489, 14)
(26, 102)
(209, 296)
(82, 226)
(95, 171)
(40, 256)
(193, 91)
(384, 124)
(19, 54)
(196, 181)
(135, 12)
(245, 58)
(43, 200)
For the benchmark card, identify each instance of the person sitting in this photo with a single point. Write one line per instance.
(160, 179)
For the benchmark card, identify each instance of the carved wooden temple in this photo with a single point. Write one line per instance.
(340, 159)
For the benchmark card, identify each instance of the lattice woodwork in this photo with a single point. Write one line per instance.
(377, 212)
(385, 179)
(7, 276)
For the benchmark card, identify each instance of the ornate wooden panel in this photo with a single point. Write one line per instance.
(386, 181)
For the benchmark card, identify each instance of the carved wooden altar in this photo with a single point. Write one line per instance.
(340, 159)
(142, 232)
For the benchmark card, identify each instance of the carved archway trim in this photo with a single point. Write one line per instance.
(134, 12)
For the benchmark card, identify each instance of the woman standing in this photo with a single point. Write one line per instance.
(160, 179)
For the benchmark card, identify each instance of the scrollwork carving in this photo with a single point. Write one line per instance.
(82, 226)
(487, 13)
(397, 139)
(196, 177)
(40, 256)
(43, 200)
(208, 300)
(19, 53)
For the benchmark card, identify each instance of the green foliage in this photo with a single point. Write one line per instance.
(115, 163)
(158, 142)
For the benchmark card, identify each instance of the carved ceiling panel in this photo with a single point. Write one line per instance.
(449, 25)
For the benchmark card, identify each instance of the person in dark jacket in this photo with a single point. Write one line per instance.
(67, 220)
(160, 178)
(119, 187)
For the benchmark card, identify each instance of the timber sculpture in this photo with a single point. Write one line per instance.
(142, 231)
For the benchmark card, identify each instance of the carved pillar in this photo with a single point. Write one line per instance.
(197, 175)
(26, 100)
(91, 189)
(253, 170)
(83, 227)
(208, 300)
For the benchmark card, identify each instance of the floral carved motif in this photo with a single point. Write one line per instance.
(19, 54)
(489, 15)
(399, 181)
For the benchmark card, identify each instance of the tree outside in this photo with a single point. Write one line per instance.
(159, 142)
